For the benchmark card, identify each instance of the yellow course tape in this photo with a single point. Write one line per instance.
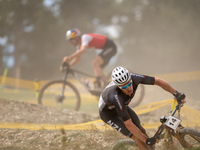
(90, 125)
(151, 106)
(191, 118)
(3, 78)
(172, 77)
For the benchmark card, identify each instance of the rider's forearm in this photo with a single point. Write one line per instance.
(163, 84)
(77, 54)
(74, 61)
(135, 130)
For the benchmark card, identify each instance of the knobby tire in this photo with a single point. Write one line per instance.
(191, 137)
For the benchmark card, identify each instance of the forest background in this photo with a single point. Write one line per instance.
(152, 36)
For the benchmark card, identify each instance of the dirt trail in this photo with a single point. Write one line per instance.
(21, 112)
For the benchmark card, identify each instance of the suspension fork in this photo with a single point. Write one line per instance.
(64, 81)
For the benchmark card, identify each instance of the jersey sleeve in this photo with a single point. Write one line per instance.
(85, 40)
(143, 79)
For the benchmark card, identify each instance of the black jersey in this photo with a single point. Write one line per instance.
(113, 100)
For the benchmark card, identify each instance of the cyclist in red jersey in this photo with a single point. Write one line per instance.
(88, 41)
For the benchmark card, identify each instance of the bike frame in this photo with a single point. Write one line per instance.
(96, 92)
(163, 126)
(75, 73)
(170, 131)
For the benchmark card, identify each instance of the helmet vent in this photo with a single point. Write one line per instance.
(120, 75)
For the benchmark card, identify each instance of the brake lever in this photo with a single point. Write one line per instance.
(65, 64)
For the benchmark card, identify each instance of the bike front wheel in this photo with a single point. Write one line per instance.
(50, 95)
(125, 144)
(190, 138)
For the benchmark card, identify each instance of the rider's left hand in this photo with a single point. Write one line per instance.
(183, 101)
(66, 59)
(63, 67)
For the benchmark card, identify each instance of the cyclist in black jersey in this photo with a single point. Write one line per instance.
(114, 100)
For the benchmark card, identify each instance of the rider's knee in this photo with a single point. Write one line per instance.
(94, 64)
(97, 62)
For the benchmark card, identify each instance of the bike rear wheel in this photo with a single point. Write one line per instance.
(190, 137)
(50, 95)
(125, 144)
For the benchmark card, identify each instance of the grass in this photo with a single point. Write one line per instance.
(18, 94)
(89, 103)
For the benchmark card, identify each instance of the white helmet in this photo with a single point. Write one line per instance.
(71, 34)
(120, 75)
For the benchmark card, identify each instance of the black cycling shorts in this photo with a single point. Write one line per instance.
(109, 50)
(112, 118)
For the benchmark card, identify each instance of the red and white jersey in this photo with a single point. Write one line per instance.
(93, 41)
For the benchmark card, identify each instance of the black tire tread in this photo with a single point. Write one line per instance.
(192, 132)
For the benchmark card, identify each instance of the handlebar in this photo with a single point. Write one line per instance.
(64, 67)
(163, 119)
(65, 64)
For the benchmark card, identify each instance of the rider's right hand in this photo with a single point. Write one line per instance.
(65, 59)
(180, 97)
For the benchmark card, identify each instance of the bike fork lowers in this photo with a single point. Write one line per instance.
(64, 82)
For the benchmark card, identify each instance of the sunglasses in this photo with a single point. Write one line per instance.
(128, 85)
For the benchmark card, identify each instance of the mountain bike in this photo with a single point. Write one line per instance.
(64, 93)
(188, 138)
